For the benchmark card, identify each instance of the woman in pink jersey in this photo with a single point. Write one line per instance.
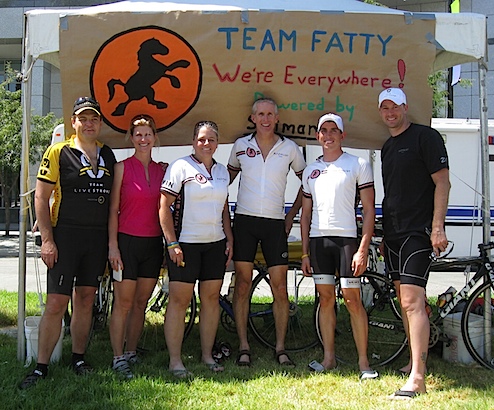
(135, 241)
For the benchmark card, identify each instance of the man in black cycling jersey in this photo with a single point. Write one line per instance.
(416, 189)
(74, 232)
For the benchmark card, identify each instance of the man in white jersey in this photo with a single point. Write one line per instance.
(264, 158)
(329, 237)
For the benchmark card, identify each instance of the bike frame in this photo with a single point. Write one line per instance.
(463, 293)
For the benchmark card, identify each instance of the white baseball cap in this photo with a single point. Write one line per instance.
(330, 117)
(393, 94)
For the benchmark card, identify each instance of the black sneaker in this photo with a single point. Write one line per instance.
(81, 368)
(32, 379)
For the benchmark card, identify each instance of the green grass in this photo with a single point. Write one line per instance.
(8, 307)
(263, 386)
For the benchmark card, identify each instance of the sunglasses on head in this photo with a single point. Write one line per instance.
(142, 117)
(81, 100)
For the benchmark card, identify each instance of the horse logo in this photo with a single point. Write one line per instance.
(149, 72)
(146, 69)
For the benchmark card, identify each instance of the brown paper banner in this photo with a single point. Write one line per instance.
(183, 67)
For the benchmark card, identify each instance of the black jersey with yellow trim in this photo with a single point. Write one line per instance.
(81, 195)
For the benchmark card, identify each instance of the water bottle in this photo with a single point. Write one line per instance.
(381, 265)
(166, 281)
(445, 297)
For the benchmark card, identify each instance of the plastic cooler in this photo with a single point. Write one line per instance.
(455, 350)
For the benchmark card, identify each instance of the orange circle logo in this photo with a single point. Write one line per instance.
(146, 70)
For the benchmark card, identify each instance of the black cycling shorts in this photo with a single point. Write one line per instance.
(248, 231)
(331, 255)
(409, 259)
(203, 261)
(82, 256)
(142, 257)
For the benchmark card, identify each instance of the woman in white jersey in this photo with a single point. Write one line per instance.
(199, 242)
(329, 236)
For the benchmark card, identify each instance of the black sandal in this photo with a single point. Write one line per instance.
(288, 362)
(243, 363)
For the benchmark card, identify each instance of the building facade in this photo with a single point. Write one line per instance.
(47, 95)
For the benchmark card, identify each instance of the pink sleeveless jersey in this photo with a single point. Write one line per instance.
(139, 200)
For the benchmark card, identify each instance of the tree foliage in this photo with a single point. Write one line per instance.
(438, 82)
(11, 139)
(441, 99)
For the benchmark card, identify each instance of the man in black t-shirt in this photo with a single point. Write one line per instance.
(416, 189)
(74, 232)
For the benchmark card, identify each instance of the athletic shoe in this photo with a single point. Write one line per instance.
(31, 379)
(368, 375)
(122, 369)
(134, 359)
(81, 368)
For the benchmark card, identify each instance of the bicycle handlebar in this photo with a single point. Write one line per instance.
(485, 246)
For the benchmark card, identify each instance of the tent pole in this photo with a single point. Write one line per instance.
(23, 212)
(486, 197)
(484, 146)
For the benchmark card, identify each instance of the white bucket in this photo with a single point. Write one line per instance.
(455, 350)
(31, 329)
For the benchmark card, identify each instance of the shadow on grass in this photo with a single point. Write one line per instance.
(7, 320)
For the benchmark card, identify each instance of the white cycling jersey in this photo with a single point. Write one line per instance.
(262, 184)
(198, 217)
(332, 186)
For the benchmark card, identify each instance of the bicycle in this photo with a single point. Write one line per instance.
(301, 296)
(378, 297)
(387, 339)
(478, 310)
(301, 334)
(103, 302)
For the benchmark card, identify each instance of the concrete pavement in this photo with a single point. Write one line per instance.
(9, 264)
(9, 268)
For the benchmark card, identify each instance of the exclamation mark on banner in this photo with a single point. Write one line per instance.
(402, 69)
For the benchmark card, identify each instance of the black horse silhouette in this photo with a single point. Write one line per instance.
(150, 71)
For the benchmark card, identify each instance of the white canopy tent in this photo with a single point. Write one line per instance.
(458, 38)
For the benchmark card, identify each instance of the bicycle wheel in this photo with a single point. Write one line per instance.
(387, 339)
(159, 300)
(477, 325)
(103, 302)
(300, 333)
